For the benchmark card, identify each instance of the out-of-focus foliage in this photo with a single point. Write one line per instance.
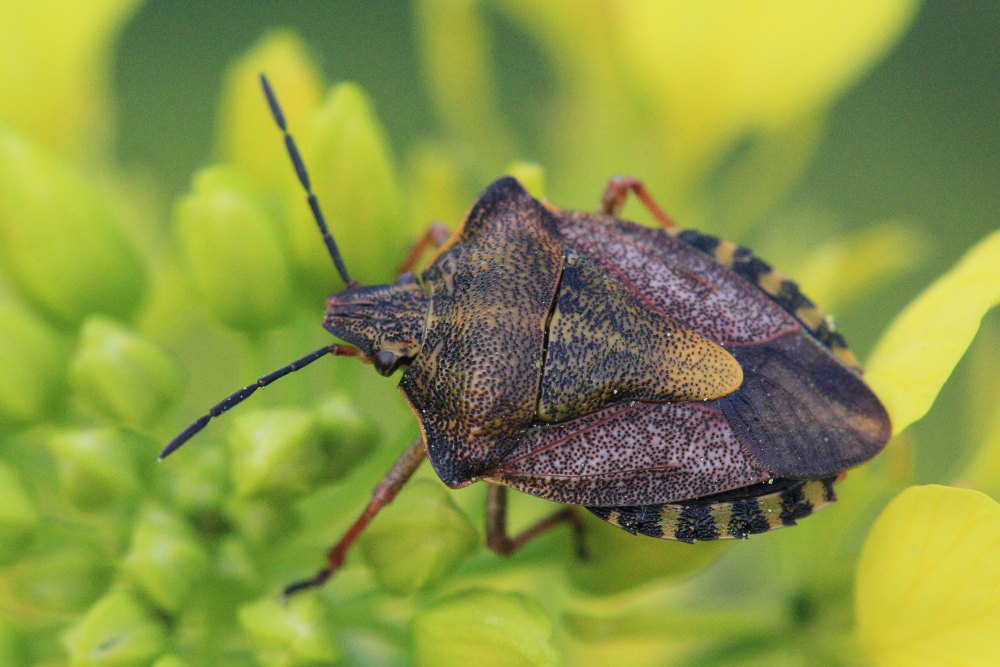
(129, 305)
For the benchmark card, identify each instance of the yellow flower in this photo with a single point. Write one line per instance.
(712, 75)
(928, 585)
(719, 69)
(919, 351)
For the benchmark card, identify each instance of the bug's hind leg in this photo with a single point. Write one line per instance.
(496, 525)
(383, 494)
(435, 236)
(617, 191)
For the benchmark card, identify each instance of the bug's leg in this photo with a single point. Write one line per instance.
(435, 236)
(496, 525)
(617, 190)
(382, 495)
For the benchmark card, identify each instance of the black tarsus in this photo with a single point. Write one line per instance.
(303, 175)
(299, 586)
(239, 396)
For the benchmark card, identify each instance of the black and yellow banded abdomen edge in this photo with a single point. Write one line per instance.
(738, 514)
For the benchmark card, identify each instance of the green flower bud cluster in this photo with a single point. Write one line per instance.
(120, 560)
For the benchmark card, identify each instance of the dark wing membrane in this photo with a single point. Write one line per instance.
(802, 413)
(630, 454)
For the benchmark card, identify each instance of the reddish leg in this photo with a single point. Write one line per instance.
(383, 494)
(496, 525)
(617, 190)
(435, 236)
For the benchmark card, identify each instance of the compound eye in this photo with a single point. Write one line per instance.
(385, 362)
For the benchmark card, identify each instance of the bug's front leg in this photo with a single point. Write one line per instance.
(435, 236)
(384, 492)
(617, 191)
(496, 525)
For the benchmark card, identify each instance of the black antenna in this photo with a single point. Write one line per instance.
(238, 397)
(300, 171)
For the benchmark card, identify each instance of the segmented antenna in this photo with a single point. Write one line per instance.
(243, 394)
(300, 171)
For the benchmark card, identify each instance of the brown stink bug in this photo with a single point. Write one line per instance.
(669, 382)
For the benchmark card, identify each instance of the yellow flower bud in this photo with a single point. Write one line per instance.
(419, 540)
(55, 69)
(347, 438)
(454, 47)
(434, 192)
(248, 137)
(95, 467)
(484, 627)
(200, 485)
(118, 630)
(54, 585)
(352, 172)
(32, 364)
(274, 451)
(234, 252)
(61, 242)
(261, 521)
(166, 559)
(283, 452)
(296, 633)
(121, 375)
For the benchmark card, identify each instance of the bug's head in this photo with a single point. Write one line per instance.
(385, 322)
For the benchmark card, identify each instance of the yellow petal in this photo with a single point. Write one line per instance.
(687, 87)
(717, 69)
(918, 352)
(928, 585)
(982, 470)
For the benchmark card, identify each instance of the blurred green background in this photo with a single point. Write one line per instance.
(864, 170)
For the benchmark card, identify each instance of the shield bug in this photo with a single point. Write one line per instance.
(669, 382)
